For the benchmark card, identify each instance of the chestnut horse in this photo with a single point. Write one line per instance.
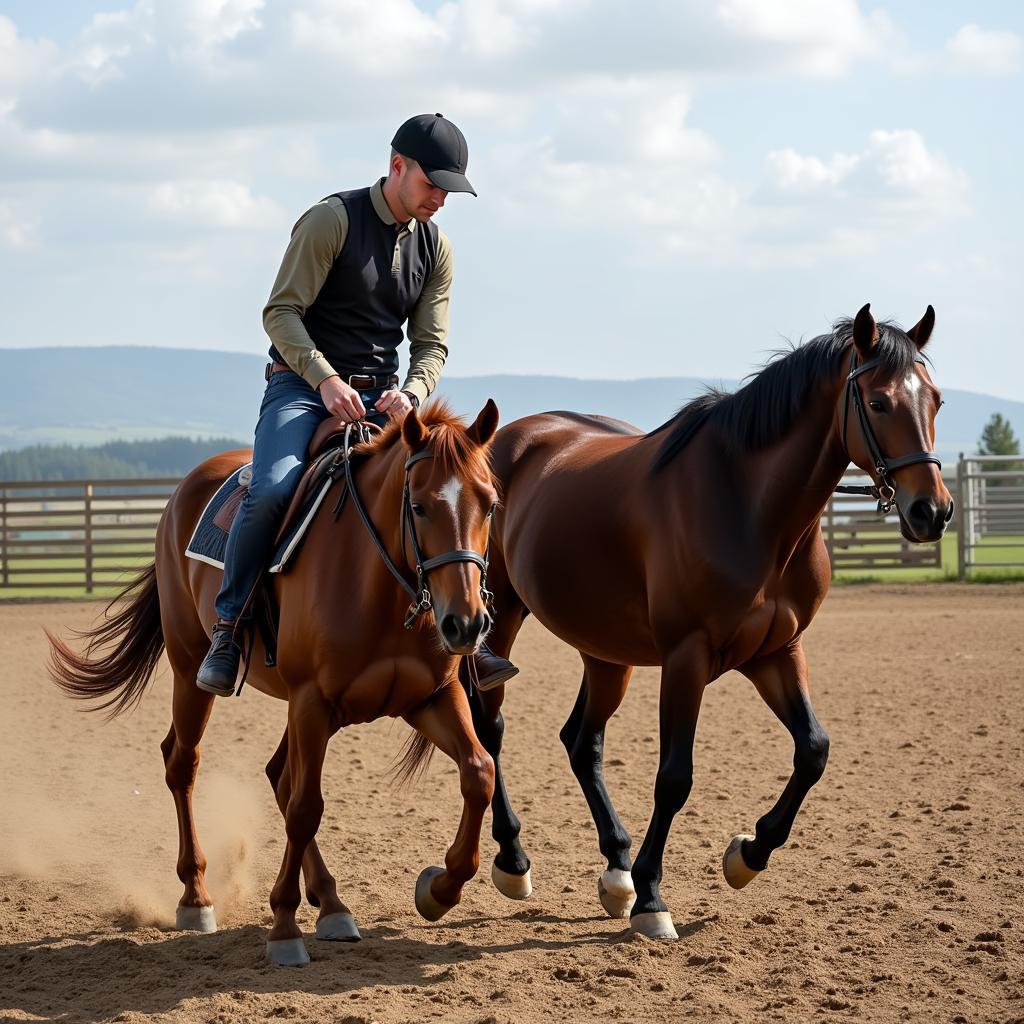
(698, 548)
(342, 654)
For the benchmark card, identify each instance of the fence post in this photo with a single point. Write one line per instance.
(88, 538)
(4, 565)
(963, 519)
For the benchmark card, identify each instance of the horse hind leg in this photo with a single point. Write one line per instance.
(601, 692)
(781, 679)
(180, 749)
(335, 922)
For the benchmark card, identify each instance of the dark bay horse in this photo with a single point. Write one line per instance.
(342, 656)
(698, 548)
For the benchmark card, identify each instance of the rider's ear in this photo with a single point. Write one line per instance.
(865, 333)
(414, 434)
(485, 424)
(922, 330)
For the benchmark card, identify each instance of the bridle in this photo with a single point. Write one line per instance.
(422, 601)
(884, 490)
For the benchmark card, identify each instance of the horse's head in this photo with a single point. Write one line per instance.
(451, 495)
(887, 415)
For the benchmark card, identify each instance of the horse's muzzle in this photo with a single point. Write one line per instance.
(462, 634)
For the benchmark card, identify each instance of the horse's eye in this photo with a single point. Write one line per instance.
(418, 509)
(876, 407)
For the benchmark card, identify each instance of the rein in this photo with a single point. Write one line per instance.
(884, 490)
(422, 601)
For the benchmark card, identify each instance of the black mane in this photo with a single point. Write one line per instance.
(766, 407)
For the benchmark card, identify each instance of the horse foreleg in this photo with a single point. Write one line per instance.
(310, 727)
(446, 721)
(781, 679)
(510, 871)
(683, 678)
(335, 921)
(180, 747)
(601, 692)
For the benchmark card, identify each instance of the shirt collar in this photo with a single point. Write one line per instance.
(381, 208)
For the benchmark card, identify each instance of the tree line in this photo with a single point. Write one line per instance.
(115, 460)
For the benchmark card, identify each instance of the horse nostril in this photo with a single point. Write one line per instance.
(451, 628)
(949, 511)
(921, 511)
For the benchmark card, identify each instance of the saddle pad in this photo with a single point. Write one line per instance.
(210, 537)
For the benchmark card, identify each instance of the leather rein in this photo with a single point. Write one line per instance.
(422, 601)
(884, 490)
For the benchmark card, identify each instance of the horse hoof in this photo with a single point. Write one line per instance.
(734, 867)
(655, 925)
(287, 952)
(337, 928)
(515, 887)
(426, 905)
(195, 919)
(616, 892)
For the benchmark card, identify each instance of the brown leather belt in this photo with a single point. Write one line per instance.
(356, 380)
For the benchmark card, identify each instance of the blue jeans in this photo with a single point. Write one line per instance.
(290, 413)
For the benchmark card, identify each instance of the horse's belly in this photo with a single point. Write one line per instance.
(385, 688)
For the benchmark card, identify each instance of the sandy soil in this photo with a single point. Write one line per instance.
(899, 896)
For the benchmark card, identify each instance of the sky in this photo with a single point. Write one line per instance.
(666, 188)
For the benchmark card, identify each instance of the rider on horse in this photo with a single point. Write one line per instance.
(358, 266)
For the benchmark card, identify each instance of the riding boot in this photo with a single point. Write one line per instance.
(219, 669)
(489, 669)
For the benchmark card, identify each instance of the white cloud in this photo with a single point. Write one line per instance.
(974, 49)
(216, 204)
(17, 227)
(793, 172)
(21, 60)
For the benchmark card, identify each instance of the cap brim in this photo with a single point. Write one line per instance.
(450, 181)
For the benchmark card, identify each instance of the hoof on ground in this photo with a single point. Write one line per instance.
(195, 919)
(655, 925)
(426, 905)
(616, 892)
(287, 952)
(734, 867)
(337, 928)
(515, 887)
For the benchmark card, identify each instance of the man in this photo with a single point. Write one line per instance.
(359, 265)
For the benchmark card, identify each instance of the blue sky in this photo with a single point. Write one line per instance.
(666, 188)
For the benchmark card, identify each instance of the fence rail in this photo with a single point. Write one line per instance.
(77, 534)
(86, 534)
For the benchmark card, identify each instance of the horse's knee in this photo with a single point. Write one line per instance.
(477, 779)
(811, 756)
(302, 818)
(180, 766)
(672, 787)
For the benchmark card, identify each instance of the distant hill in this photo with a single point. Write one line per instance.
(94, 395)
(115, 460)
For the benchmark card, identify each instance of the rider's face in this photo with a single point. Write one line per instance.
(419, 197)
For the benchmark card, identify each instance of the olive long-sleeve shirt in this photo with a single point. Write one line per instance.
(316, 241)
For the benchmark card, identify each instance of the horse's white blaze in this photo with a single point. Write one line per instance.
(912, 383)
(450, 494)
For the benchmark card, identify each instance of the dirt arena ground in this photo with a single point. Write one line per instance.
(898, 898)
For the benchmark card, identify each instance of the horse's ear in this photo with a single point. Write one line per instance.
(865, 332)
(485, 424)
(414, 433)
(922, 330)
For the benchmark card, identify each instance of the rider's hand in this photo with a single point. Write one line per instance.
(341, 399)
(395, 403)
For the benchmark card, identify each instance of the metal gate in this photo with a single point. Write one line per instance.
(990, 489)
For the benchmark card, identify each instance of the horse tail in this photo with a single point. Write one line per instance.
(135, 639)
(413, 760)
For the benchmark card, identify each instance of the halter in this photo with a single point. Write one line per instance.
(884, 491)
(422, 601)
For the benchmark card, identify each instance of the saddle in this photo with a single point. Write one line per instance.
(326, 457)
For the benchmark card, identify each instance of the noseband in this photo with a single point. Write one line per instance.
(884, 490)
(422, 601)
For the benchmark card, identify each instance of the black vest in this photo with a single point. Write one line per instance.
(356, 320)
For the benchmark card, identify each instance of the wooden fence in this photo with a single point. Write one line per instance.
(77, 534)
(86, 534)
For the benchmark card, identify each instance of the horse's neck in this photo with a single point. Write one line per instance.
(380, 481)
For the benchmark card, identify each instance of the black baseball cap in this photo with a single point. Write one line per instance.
(438, 147)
